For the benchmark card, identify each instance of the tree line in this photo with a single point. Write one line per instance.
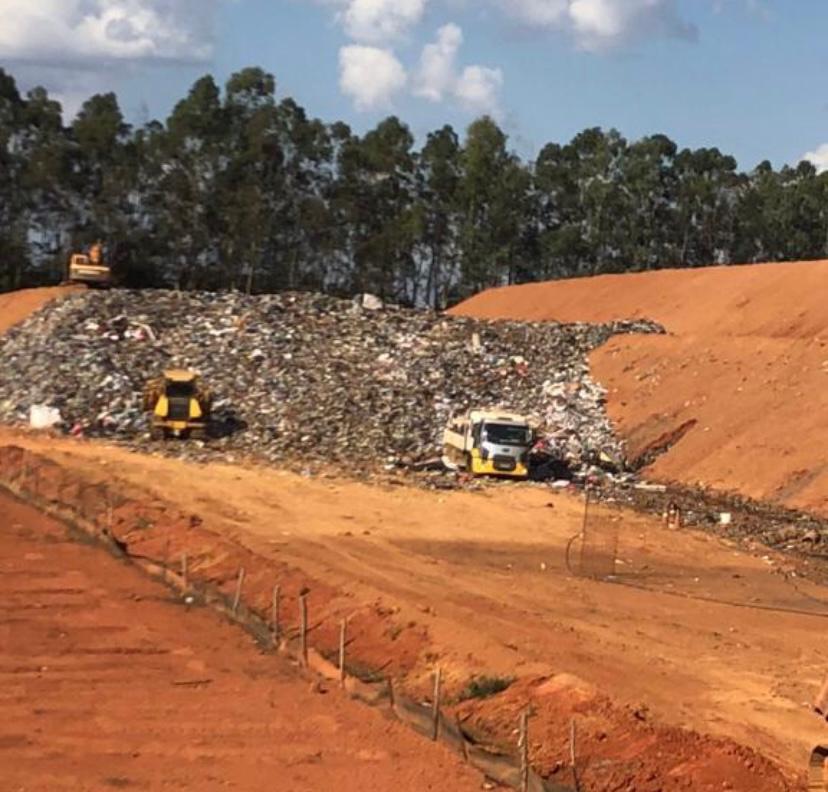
(236, 190)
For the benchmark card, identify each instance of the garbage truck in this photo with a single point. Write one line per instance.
(489, 443)
(179, 405)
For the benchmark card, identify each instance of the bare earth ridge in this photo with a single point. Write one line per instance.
(745, 361)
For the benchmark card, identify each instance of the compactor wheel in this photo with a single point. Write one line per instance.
(817, 769)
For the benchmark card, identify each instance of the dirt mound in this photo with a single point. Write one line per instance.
(742, 371)
(110, 683)
(19, 305)
(615, 748)
(432, 609)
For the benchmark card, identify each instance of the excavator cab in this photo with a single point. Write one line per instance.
(90, 268)
(178, 404)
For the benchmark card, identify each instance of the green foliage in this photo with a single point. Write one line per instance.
(484, 687)
(240, 189)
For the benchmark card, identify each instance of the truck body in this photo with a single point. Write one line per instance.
(488, 442)
(178, 405)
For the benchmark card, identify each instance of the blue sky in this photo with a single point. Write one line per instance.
(747, 76)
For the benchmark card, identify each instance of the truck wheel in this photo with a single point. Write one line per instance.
(156, 433)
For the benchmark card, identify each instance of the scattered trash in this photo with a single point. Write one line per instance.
(309, 378)
(43, 417)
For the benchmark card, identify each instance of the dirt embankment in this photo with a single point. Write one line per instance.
(19, 305)
(744, 369)
(477, 584)
(108, 682)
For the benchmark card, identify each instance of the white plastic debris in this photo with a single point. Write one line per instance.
(43, 417)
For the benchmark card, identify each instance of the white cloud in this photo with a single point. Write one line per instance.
(819, 157)
(478, 89)
(86, 32)
(598, 25)
(549, 13)
(371, 76)
(379, 21)
(436, 75)
(437, 78)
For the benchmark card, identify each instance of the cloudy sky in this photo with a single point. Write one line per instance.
(745, 75)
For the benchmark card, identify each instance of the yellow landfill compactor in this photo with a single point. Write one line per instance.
(489, 442)
(179, 405)
(89, 267)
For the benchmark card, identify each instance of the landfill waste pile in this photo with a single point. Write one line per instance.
(304, 376)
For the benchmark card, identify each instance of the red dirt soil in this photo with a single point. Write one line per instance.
(428, 587)
(19, 305)
(108, 682)
(745, 358)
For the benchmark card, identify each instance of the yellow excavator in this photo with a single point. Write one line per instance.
(90, 268)
(179, 405)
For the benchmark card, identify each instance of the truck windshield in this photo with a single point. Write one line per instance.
(179, 390)
(506, 434)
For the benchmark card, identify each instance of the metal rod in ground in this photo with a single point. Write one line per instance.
(237, 597)
(573, 759)
(463, 744)
(435, 706)
(303, 627)
(274, 615)
(523, 748)
(342, 628)
(584, 528)
(391, 699)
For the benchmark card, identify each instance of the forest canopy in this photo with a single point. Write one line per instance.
(240, 189)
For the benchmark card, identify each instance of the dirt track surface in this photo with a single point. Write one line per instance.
(17, 306)
(745, 362)
(478, 583)
(109, 682)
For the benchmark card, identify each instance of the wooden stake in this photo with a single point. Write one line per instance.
(166, 559)
(523, 748)
(303, 628)
(573, 756)
(463, 743)
(184, 581)
(342, 653)
(274, 615)
(237, 598)
(435, 706)
(391, 698)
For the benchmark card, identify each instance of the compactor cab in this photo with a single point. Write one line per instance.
(493, 443)
(90, 268)
(178, 405)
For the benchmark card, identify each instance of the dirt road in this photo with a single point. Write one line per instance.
(17, 306)
(478, 580)
(745, 363)
(109, 682)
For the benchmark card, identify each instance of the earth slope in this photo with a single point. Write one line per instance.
(19, 305)
(740, 379)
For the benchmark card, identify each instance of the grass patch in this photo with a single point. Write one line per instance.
(484, 687)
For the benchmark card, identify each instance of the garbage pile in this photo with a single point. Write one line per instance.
(305, 376)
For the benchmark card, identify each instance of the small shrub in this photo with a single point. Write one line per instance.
(484, 687)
